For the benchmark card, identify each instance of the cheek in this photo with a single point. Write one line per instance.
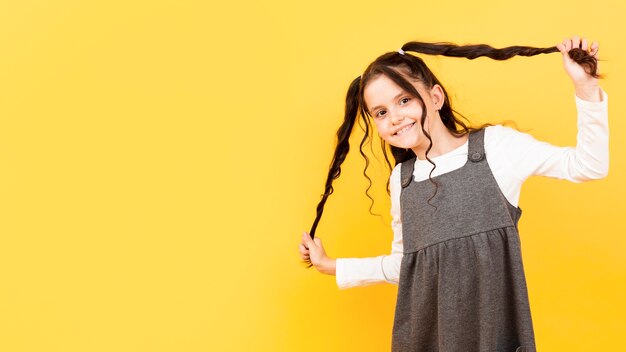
(378, 126)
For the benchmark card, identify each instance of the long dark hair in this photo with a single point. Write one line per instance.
(397, 67)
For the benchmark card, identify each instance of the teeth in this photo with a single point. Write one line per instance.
(404, 129)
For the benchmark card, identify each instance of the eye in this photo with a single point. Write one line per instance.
(402, 101)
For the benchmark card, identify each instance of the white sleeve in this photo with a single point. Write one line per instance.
(351, 272)
(588, 160)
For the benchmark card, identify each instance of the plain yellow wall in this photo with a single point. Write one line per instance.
(159, 161)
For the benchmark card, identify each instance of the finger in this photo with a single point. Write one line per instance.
(307, 240)
(318, 241)
(584, 44)
(575, 41)
(303, 249)
(568, 44)
(594, 49)
(305, 256)
(563, 48)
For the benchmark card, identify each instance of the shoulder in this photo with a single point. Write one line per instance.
(396, 169)
(395, 180)
(396, 174)
(507, 148)
(499, 132)
(500, 138)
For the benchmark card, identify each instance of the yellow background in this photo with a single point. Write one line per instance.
(159, 161)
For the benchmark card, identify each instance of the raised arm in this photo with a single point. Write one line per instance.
(525, 156)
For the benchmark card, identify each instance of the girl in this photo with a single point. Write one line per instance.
(454, 191)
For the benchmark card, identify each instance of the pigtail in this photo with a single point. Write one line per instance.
(341, 150)
(580, 56)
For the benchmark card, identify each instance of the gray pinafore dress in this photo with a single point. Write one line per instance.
(462, 286)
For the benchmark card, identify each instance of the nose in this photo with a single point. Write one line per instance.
(397, 118)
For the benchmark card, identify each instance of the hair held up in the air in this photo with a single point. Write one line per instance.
(397, 66)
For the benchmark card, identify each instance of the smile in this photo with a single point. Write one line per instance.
(404, 129)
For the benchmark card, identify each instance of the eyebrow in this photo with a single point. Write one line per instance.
(380, 106)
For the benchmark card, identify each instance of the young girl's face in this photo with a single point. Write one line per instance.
(397, 115)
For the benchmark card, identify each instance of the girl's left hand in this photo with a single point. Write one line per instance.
(574, 70)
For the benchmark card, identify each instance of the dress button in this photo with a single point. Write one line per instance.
(475, 156)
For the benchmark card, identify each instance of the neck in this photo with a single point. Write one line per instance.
(443, 142)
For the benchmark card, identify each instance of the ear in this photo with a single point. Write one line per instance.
(437, 96)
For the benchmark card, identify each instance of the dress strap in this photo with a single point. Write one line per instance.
(476, 148)
(406, 171)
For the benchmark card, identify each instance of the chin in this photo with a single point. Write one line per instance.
(405, 145)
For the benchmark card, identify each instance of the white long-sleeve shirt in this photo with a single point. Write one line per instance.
(513, 156)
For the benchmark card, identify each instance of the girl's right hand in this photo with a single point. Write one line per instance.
(312, 250)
